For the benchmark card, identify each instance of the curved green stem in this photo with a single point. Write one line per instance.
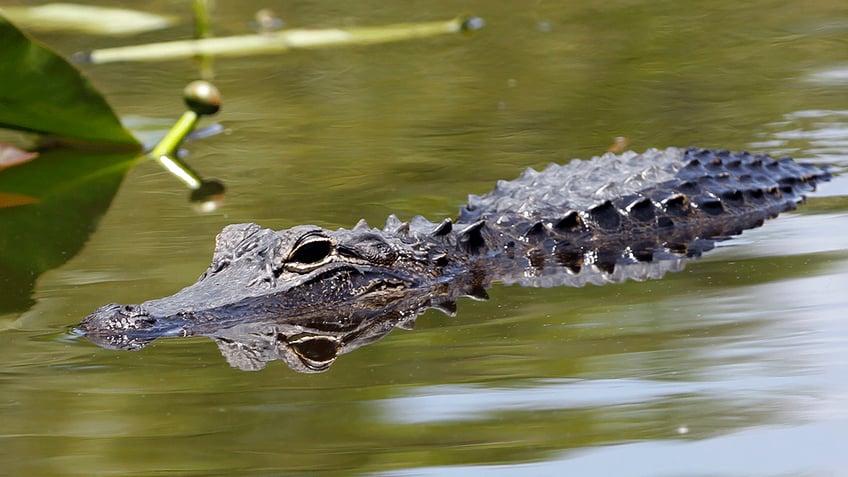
(182, 128)
(165, 152)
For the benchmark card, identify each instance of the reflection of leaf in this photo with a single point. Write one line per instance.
(11, 156)
(41, 92)
(86, 19)
(10, 199)
(68, 192)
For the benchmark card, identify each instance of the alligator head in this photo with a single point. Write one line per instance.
(258, 274)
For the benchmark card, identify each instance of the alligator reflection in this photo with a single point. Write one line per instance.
(311, 343)
(304, 295)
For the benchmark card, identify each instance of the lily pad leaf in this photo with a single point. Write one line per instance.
(86, 19)
(12, 156)
(42, 92)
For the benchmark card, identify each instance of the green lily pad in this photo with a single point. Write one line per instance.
(42, 92)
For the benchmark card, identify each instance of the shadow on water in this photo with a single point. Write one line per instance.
(733, 366)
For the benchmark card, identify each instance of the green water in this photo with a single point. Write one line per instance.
(736, 366)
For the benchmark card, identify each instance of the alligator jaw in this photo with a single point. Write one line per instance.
(258, 274)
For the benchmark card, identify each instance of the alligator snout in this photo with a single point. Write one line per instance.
(115, 326)
(115, 318)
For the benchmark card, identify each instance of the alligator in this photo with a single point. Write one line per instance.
(304, 295)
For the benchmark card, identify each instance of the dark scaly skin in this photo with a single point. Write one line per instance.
(306, 294)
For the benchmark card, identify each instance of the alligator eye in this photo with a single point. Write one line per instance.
(317, 353)
(309, 253)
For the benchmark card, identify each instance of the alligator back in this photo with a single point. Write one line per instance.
(614, 210)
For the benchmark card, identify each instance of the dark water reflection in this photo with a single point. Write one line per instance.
(735, 366)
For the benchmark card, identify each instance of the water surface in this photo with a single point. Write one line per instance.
(737, 365)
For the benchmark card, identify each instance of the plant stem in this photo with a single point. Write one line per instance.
(279, 42)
